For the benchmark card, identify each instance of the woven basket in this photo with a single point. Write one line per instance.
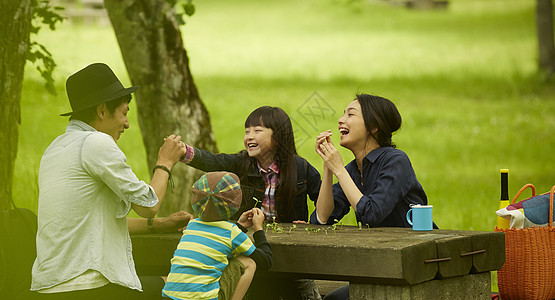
(529, 269)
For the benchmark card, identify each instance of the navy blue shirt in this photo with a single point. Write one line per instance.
(388, 185)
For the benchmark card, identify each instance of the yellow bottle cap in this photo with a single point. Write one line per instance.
(504, 170)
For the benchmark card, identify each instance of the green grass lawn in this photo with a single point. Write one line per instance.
(463, 79)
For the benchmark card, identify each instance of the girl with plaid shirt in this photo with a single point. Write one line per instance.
(273, 178)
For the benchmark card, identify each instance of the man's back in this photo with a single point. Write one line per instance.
(80, 178)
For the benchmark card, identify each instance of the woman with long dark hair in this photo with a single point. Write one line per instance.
(379, 183)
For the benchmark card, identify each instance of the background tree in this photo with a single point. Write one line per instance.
(15, 28)
(168, 101)
(544, 27)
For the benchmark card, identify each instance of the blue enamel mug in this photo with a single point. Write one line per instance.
(420, 217)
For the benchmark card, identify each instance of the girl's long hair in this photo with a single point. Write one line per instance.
(285, 154)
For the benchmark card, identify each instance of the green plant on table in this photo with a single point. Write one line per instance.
(276, 227)
(256, 202)
(293, 227)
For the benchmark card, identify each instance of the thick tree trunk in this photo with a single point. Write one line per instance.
(15, 25)
(168, 101)
(544, 26)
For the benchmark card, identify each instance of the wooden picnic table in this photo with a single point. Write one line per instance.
(395, 263)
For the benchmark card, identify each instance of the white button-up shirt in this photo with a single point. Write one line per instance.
(85, 192)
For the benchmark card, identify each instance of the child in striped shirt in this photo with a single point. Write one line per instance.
(211, 241)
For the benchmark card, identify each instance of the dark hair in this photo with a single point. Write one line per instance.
(87, 115)
(380, 113)
(285, 154)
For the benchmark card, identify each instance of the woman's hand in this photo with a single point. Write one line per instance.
(330, 155)
(323, 137)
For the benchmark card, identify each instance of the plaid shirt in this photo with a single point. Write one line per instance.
(271, 177)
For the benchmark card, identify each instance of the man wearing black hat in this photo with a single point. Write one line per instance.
(86, 190)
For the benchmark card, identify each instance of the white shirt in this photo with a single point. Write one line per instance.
(85, 192)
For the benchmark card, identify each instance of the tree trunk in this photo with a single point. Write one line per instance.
(168, 101)
(546, 47)
(15, 25)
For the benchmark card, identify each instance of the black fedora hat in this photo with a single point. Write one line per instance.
(93, 85)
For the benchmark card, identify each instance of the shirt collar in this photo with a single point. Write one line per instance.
(374, 154)
(272, 168)
(371, 157)
(78, 125)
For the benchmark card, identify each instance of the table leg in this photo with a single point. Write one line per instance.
(472, 286)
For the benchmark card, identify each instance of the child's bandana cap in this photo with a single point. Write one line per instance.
(216, 196)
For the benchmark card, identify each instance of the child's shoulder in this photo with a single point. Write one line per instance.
(225, 224)
(303, 165)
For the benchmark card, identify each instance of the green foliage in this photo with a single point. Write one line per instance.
(47, 15)
(183, 8)
(44, 14)
(464, 80)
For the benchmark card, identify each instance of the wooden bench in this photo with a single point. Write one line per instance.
(421, 4)
(379, 263)
(87, 11)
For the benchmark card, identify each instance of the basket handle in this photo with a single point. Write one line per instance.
(529, 185)
(551, 206)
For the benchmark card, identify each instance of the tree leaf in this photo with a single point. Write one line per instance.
(180, 19)
(189, 9)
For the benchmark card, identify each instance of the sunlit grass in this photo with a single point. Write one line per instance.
(464, 81)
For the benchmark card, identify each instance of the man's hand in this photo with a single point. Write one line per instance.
(171, 151)
(175, 222)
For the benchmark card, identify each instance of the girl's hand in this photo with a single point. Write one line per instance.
(257, 219)
(332, 159)
(300, 222)
(246, 219)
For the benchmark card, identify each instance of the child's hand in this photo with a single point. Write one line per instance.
(257, 219)
(246, 219)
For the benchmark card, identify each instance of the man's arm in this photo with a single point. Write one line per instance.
(175, 222)
(168, 156)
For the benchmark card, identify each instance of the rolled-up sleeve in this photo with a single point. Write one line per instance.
(340, 209)
(103, 160)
